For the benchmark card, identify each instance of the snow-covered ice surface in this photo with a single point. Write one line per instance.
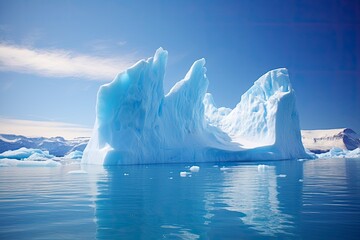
(136, 123)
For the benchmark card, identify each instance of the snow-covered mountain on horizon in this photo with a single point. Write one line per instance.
(57, 146)
(323, 140)
(317, 141)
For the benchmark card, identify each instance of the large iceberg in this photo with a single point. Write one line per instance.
(136, 123)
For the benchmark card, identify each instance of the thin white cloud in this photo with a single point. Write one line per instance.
(43, 128)
(121, 43)
(61, 63)
(101, 46)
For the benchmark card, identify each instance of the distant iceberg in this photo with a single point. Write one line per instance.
(6, 162)
(74, 155)
(30, 157)
(26, 153)
(336, 152)
(136, 123)
(27, 157)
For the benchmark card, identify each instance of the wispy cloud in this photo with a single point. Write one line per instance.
(61, 63)
(43, 128)
(121, 43)
(101, 46)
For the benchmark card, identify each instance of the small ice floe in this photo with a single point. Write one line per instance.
(169, 226)
(170, 178)
(184, 174)
(262, 167)
(215, 166)
(126, 174)
(282, 175)
(301, 180)
(194, 169)
(224, 168)
(77, 172)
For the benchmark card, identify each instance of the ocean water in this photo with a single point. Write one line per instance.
(315, 199)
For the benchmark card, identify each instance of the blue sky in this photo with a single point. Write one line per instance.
(54, 55)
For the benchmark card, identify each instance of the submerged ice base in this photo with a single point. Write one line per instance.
(136, 123)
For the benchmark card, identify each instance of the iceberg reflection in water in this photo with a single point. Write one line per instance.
(253, 191)
(153, 200)
(316, 199)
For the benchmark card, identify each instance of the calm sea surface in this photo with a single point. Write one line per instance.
(317, 199)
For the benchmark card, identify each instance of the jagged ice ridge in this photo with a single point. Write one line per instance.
(136, 123)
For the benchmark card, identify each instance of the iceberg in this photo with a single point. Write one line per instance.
(27, 157)
(26, 153)
(136, 123)
(337, 152)
(7, 162)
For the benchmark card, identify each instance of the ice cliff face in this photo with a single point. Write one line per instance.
(136, 123)
(265, 116)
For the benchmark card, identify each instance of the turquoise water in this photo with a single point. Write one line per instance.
(317, 199)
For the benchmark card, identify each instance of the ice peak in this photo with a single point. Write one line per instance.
(160, 56)
(195, 78)
(209, 100)
(276, 80)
